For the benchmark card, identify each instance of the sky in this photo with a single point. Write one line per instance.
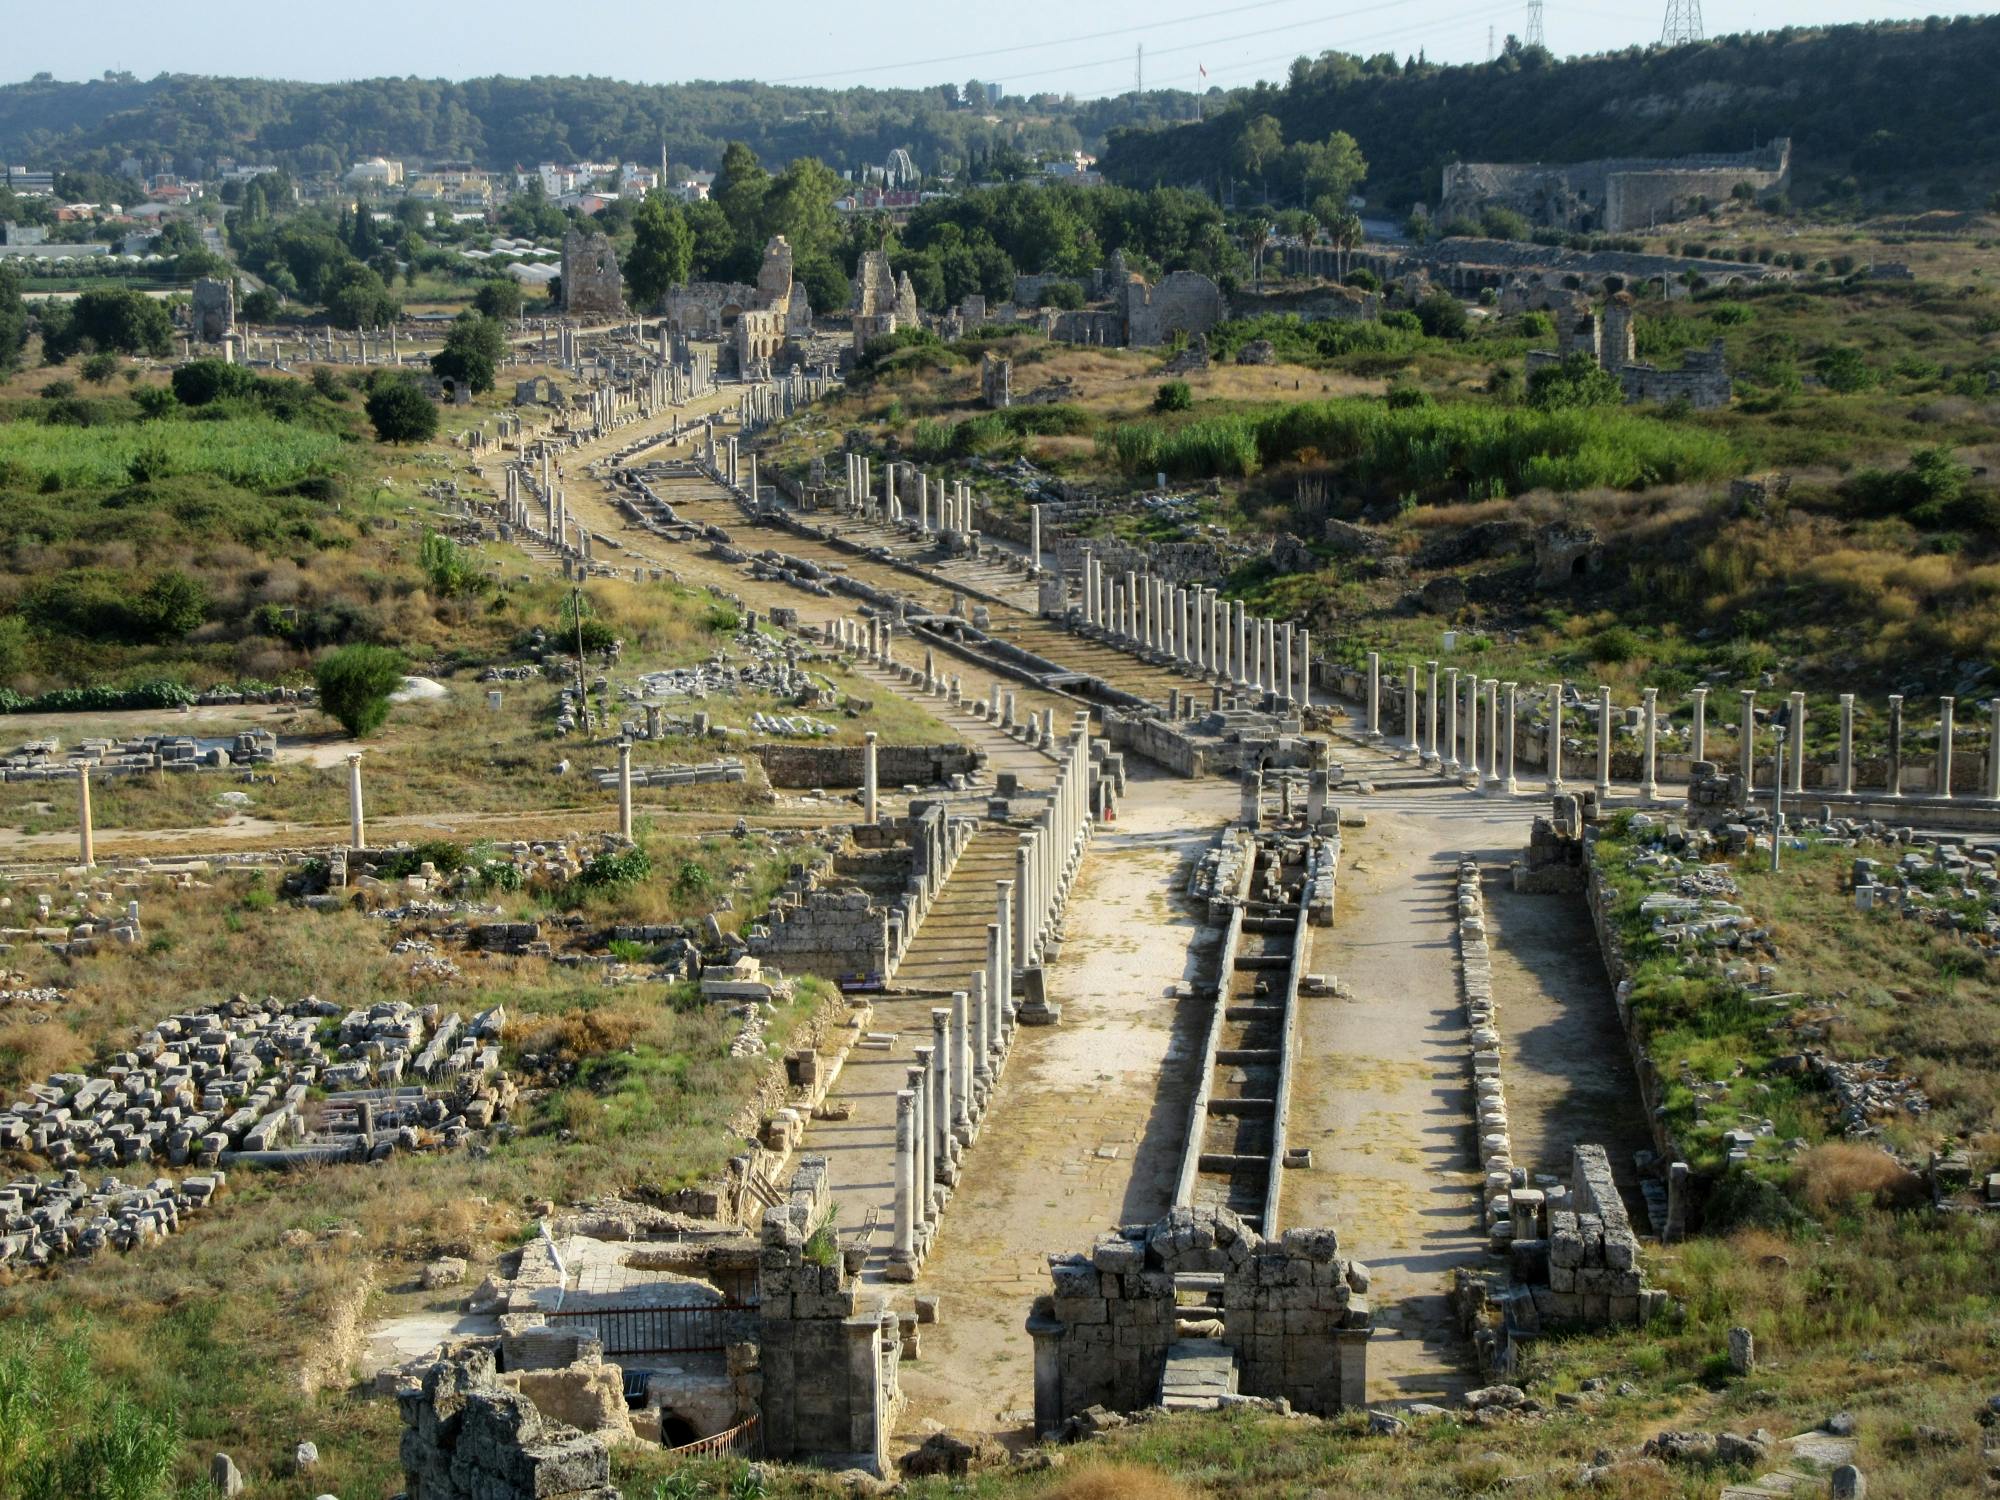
(1029, 46)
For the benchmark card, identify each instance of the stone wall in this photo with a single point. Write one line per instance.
(797, 765)
(1183, 302)
(827, 1358)
(1294, 1313)
(591, 286)
(213, 310)
(1610, 195)
(704, 309)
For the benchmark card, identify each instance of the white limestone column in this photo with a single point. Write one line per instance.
(905, 1247)
(86, 833)
(1024, 875)
(1895, 744)
(624, 789)
(1035, 541)
(1492, 734)
(944, 1066)
(354, 820)
(1449, 759)
(1604, 731)
(1946, 707)
(1698, 743)
(1472, 729)
(1846, 770)
(988, 1030)
(920, 1082)
(1796, 773)
(961, 1060)
(868, 789)
(1002, 990)
(1410, 713)
(1555, 747)
(1746, 738)
(1374, 695)
(1512, 785)
(1649, 781)
(1430, 755)
(1993, 749)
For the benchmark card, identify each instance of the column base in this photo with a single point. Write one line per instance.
(902, 1267)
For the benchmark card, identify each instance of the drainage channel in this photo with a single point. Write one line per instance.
(1236, 1130)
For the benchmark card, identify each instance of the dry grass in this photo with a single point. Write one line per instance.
(1103, 1480)
(1835, 1175)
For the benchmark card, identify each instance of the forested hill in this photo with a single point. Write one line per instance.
(1907, 115)
(499, 123)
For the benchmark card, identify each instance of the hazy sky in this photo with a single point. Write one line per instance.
(1027, 45)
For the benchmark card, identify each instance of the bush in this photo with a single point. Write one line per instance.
(1577, 382)
(1173, 395)
(499, 297)
(1443, 316)
(99, 369)
(202, 381)
(354, 686)
(1613, 645)
(1065, 295)
(450, 569)
(401, 413)
(611, 870)
(1844, 370)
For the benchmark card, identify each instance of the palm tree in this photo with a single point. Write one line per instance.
(1258, 231)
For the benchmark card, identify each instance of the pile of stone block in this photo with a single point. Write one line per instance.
(1475, 972)
(44, 760)
(1585, 1269)
(232, 1085)
(1552, 864)
(48, 1219)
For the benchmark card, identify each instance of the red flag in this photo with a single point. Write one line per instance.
(1204, 71)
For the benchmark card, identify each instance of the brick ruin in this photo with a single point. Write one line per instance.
(1290, 1315)
(1702, 379)
(591, 286)
(469, 1435)
(212, 311)
(1611, 196)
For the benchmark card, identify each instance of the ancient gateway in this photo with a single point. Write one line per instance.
(1613, 196)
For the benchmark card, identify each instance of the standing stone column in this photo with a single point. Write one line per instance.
(1895, 744)
(1847, 740)
(1410, 731)
(1449, 759)
(1946, 707)
(1002, 992)
(1430, 755)
(1374, 694)
(1035, 541)
(625, 789)
(1603, 742)
(1698, 743)
(1993, 749)
(1511, 784)
(1242, 663)
(961, 1061)
(1746, 737)
(943, 1086)
(1024, 919)
(868, 777)
(1305, 660)
(984, 1028)
(905, 1247)
(86, 835)
(919, 1081)
(1649, 781)
(1492, 734)
(1471, 764)
(354, 823)
(1555, 748)
(1796, 775)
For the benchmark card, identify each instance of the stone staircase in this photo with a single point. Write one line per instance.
(1805, 1462)
(1198, 1374)
(950, 946)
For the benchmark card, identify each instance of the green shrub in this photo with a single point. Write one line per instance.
(1844, 370)
(355, 683)
(450, 568)
(1576, 382)
(613, 869)
(1173, 395)
(401, 413)
(201, 381)
(1443, 316)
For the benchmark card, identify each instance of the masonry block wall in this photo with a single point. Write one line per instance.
(1294, 1311)
(467, 1437)
(790, 765)
(827, 1359)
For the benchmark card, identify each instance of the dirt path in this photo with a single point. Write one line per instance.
(1568, 1073)
(1086, 1131)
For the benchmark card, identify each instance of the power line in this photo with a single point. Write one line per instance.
(1441, 24)
(1089, 36)
(1683, 23)
(1535, 24)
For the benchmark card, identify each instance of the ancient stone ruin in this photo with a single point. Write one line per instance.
(1614, 196)
(591, 287)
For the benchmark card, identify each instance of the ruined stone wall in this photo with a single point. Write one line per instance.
(1612, 194)
(591, 286)
(1640, 198)
(795, 765)
(702, 308)
(826, 1357)
(996, 381)
(1183, 302)
(1702, 380)
(1293, 1310)
(213, 310)
(874, 286)
(468, 1437)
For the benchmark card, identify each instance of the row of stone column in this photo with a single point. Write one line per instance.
(948, 1091)
(1455, 751)
(1197, 630)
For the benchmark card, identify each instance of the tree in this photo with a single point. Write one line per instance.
(498, 297)
(13, 320)
(740, 189)
(172, 605)
(799, 205)
(357, 297)
(662, 250)
(200, 381)
(354, 686)
(714, 239)
(1443, 316)
(112, 319)
(1577, 381)
(473, 348)
(100, 369)
(400, 412)
(1257, 147)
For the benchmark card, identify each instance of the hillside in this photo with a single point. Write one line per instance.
(1902, 116)
(498, 123)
